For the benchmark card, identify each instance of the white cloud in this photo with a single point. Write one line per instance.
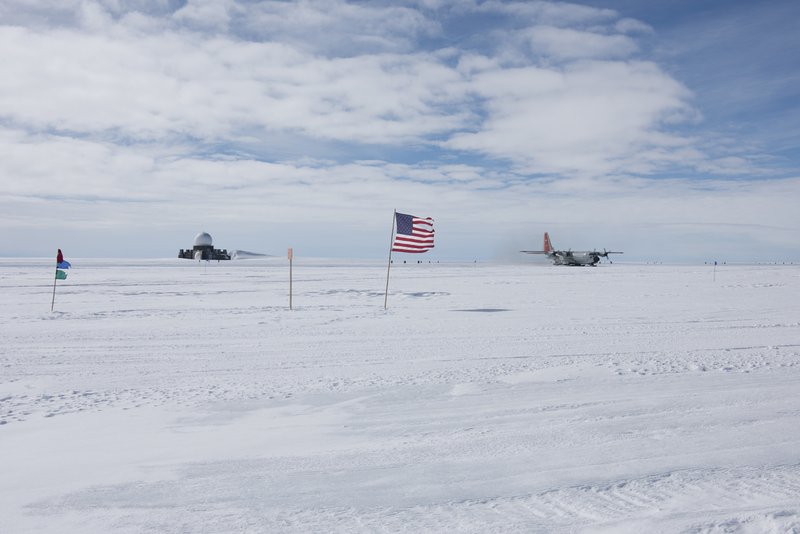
(135, 79)
(334, 28)
(114, 113)
(156, 86)
(206, 14)
(554, 13)
(565, 43)
(632, 26)
(590, 118)
(102, 191)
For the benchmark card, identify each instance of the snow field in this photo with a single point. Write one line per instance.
(173, 396)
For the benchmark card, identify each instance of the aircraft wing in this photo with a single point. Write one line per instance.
(533, 251)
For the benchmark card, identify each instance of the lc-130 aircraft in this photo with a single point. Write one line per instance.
(569, 257)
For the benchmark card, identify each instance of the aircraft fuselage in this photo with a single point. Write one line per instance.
(576, 259)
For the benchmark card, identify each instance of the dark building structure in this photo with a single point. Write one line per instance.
(204, 250)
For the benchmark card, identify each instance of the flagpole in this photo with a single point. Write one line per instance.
(55, 279)
(389, 265)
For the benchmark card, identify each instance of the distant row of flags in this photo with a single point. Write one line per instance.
(410, 234)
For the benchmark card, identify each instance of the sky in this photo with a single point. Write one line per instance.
(667, 129)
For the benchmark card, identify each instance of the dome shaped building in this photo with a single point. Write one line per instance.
(203, 240)
(203, 249)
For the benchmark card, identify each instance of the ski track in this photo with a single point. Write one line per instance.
(615, 399)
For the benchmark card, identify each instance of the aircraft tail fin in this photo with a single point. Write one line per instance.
(548, 248)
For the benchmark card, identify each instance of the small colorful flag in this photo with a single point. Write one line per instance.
(414, 234)
(60, 263)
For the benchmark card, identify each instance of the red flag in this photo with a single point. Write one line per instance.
(60, 257)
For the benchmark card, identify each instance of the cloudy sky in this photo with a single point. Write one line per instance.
(667, 129)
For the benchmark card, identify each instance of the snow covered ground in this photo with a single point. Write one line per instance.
(171, 396)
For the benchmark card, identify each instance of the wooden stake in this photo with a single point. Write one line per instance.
(291, 255)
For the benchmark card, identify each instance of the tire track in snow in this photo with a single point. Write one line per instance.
(669, 497)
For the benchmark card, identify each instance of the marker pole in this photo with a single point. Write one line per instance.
(55, 279)
(291, 257)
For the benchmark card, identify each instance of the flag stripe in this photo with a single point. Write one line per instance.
(417, 246)
(414, 239)
(408, 246)
(412, 245)
(409, 251)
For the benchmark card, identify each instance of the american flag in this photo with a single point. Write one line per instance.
(414, 234)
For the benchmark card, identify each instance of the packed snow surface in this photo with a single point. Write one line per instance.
(176, 396)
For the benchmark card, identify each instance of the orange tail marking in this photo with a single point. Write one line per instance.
(547, 246)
